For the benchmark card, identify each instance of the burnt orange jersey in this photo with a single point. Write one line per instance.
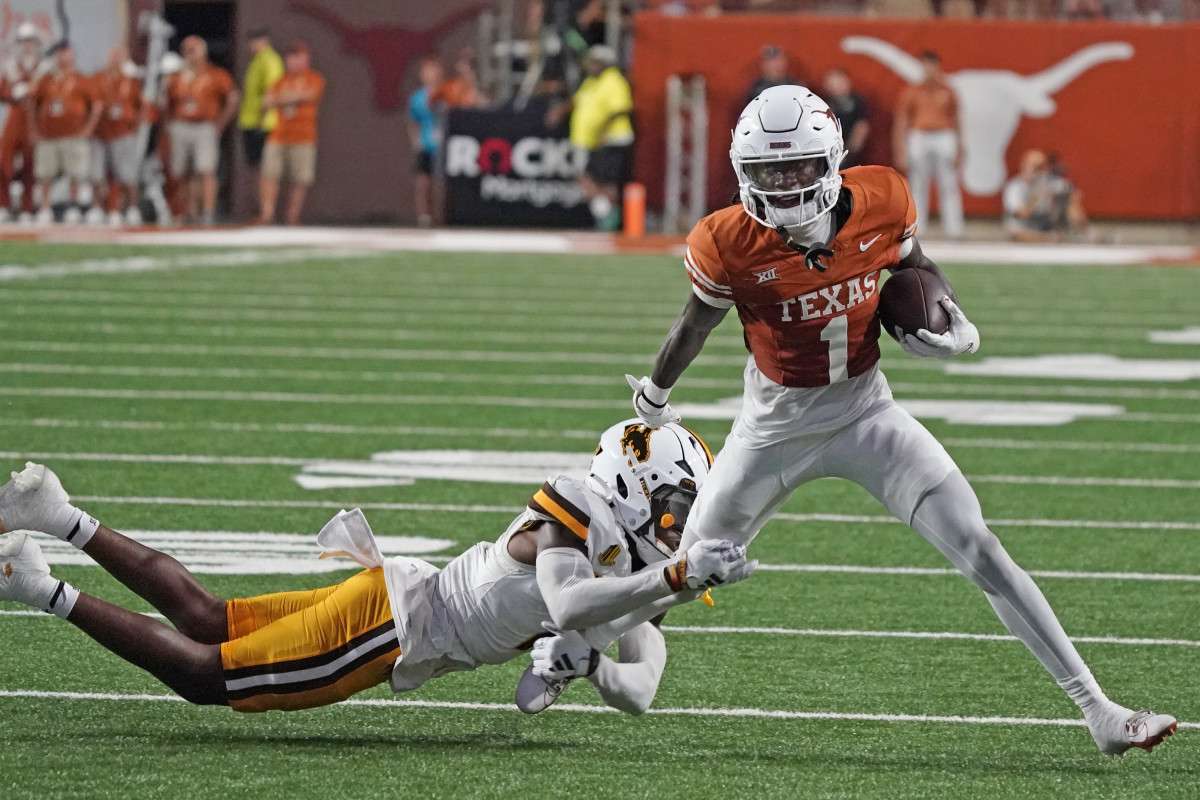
(806, 327)
(298, 121)
(61, 103)
(121, 96)
(199, 96)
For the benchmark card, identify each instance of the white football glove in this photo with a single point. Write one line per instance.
(650, 402)
(708, 563)
(960, 339)
(563, 656)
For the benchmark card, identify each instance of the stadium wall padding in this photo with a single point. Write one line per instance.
(1124, 114)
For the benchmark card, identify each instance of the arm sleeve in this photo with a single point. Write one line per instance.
(577, 599)
(631, 684)
(602, 636)
(703, 264)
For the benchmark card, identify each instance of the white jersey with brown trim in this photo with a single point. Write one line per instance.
(571, 503)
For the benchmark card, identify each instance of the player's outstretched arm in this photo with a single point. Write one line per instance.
(961, 338)
(683, 343)
(577, 599)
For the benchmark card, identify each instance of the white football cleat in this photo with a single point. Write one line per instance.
(536, 694)
(35, 500)
(1121, 729)
(24, 576)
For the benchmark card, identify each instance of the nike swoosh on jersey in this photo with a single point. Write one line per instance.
(862, 246)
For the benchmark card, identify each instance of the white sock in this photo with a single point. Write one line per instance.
(81, 530)
(62, 600)
(1086, 693)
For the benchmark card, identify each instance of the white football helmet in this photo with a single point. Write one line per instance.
(650, 477)
(787, 146)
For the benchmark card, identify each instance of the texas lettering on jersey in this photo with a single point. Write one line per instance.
(804, 327)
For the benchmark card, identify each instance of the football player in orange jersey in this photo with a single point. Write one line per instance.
(800, 259)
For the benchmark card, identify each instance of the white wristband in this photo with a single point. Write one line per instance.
(655, 393)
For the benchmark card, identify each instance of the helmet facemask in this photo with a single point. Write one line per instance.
(790, 192)
(658, 539)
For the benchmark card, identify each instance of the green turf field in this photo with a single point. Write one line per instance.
(242, 375)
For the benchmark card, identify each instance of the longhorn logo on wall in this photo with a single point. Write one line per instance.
(993, 101)
(388, 50)
(504, 168)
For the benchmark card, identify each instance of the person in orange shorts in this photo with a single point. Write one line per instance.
(20, 73)
(582, 567)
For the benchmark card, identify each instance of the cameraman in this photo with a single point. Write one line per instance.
(1042, 205)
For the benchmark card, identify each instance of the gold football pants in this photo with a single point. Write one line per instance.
(295, 650)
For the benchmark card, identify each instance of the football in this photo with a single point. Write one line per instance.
(911, 300)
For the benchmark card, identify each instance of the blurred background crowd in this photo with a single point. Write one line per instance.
(524, 112)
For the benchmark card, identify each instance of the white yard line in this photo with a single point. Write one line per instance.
(518, 433)
(342, 353)
(486, 509)
(1059, 480)
(940, 635)
(302, 427)
(851, 569)
(1044, 390)
(116, 321)
(292, 461)
(1102, 447)
(758, 713)
(135, 264)
(230, 503)
(400, 399)
(724, 630)
(726, 384)
(250, 373)
(296, 397)
(1085, 524)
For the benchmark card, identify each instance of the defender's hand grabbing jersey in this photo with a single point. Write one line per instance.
(806, 328)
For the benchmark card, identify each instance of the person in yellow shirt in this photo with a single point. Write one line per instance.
(601, 124)
(255, 120)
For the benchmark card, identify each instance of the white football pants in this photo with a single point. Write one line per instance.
(902, 465)
(931, 154)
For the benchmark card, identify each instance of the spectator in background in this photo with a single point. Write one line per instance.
(601, 124)
(1042, 205)
(588, 28)
(291, 149)
(255, 121)
(115, 150)
(927, 142)
(851, 111)
(424, 136)
(773, 71)
(462, 90)
(65, 113)
(201, 101)
(21, 73)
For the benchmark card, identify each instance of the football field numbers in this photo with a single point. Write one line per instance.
(835, 334)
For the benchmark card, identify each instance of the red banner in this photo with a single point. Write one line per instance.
(1119, 103)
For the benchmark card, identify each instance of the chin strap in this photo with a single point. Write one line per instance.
(812, 255)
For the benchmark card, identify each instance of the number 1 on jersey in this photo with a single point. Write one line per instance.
(835, 334)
